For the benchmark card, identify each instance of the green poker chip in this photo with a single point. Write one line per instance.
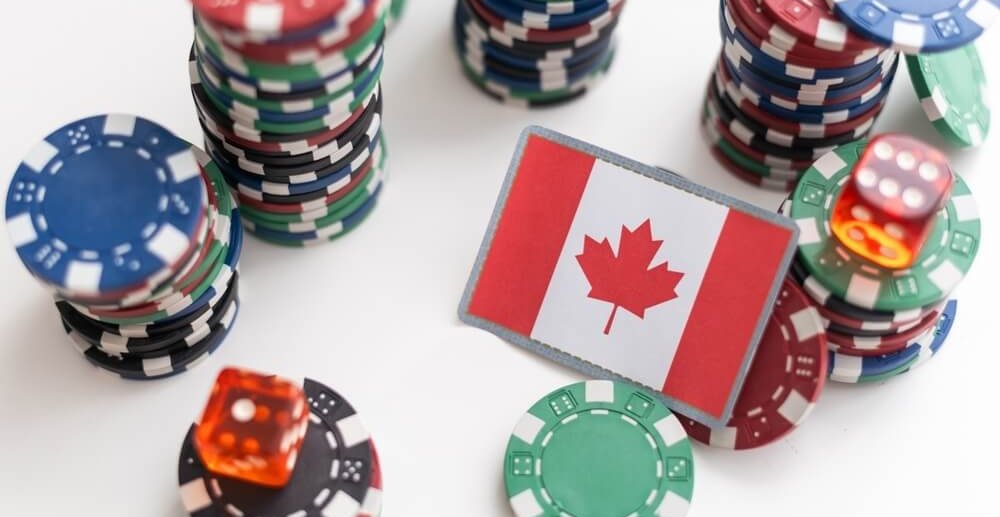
(952, 90)
(946, 257)
(599, 448)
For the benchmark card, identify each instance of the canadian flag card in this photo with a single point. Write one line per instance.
(624, 271)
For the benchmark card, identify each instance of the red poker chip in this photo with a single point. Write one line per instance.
(352, 23)
(806, 130)
(885, 327)
(784, 382)
(520, 32)
(268, 16)
(772, 38)
(872, 346)
(814, 22)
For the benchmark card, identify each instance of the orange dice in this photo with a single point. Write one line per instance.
(252, 427)
(888, 207)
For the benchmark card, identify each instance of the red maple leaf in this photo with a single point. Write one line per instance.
(627, 280)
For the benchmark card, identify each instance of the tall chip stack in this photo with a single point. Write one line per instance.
(792, 83)
(883, 319)
(536, 53)
(289, 97)
(137, 236)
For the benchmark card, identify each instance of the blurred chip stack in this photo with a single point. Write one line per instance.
(289, 97)
(536, 53)
(792, 83)
(137, 236)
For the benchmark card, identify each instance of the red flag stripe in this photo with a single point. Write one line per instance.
(529, 238)
(738, 280)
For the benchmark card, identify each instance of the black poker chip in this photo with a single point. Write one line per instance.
(333, 476)
(156, 345)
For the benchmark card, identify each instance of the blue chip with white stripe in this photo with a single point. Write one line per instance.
(918, 27)
(105, 205)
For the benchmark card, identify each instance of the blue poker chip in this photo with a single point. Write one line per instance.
(853, 369)
(741, 48)
(805, 114)
(106, 205)
(533, 19)
(918, 27)
(825, 114)
(884, 75)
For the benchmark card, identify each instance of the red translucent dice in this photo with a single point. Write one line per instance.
(888, 207)
(252, 427)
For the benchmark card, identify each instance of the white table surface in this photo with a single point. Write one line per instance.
(373, 315)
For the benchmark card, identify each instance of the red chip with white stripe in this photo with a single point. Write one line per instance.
(784, 382)
(267, 16)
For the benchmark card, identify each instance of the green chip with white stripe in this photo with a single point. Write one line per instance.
(599, 448)
(953, 92)
(946, 257)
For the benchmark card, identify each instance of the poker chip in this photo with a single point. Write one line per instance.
(918, 27)
(268, 16)
(521, 53)
(792, 83)
(952, 90)
(853, 369)
(815, 24)
(114, 344)
(291, 110)
(599, 448)
(76, 244)
(874, 345)
(337, 472)
(943, 261)
(785, 379)
(137, 236)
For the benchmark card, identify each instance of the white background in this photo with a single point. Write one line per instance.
(373, 315)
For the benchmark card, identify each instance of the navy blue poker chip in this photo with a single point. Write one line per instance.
(105, 205)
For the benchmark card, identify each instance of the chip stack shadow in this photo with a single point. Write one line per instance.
(289, 97)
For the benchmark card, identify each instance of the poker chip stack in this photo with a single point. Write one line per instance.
(289, 97)
(536, 53)
(138, 237)
(879, 322)
(792, 83)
